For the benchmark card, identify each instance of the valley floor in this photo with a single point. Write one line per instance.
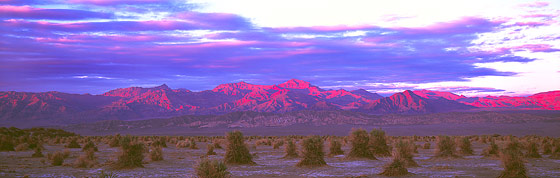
(179, 162)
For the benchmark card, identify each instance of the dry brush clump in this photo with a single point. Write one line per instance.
(403, 150)
(90, 146)
(156, 152)
(210, 150)
(86, 160)
(378, 143)
(492, 150)
(335, 148)
(465, 147)
(555, 154)
(131, 155)
(236, 150)
(512, 161)
(73, 144)
(57, 158)
(312, 153)
(291, 149)
(427, 145)
(38, 153)
(211, 169)
(532, 150)
(6, 143)
(359, 140)
(446, 148)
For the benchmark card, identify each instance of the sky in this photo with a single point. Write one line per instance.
(473, 48)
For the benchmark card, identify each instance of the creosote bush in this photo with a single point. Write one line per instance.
(73, 144)
(156, 153)
(86, 160)
(465, 146)
(445, 147)
(403, 150)
(211, 169)
(38, 153)
(427, 145)
(89, 146)
(291, 150)
(312, 153)
(359, 139)
(57, 158)
(378, 143)
(395, 168)
(131, 155)
(532, 151)
(492, 150)
(236, 150)
(6, 143)
(210, 150)
(511, 158)
(335, 148)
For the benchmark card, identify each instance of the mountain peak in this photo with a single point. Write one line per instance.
(163, 86)
(295, 84)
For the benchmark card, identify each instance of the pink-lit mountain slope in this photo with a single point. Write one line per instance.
(542, 101)
(292, 95)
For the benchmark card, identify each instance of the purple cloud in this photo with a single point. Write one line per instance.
(27, 12)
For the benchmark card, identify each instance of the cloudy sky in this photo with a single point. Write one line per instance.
(474, 47)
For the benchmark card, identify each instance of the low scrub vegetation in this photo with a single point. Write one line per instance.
(312, 154)
(359, 140)
(236, 150)
(211, 169)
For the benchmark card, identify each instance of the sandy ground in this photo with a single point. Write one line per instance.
(179, 162)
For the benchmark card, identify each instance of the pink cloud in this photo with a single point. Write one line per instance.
(12, 9)
(112, 2)
(535, 4)
(337, 28)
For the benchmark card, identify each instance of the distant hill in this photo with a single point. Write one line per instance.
(54, 108)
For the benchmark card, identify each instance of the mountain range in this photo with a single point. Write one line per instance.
(293, 95)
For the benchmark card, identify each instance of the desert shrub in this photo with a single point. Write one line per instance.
(6, 143)
(131, 155)
(445, 147)
(360, 145)
(378, 144)
(182, 144)
(511, 158)
(217, 145)
(395, 168)
(403, 151)
(160, 142)
(89, 146)
(532, 150)
(492, 150)
(38, 152)
(73, 144)
(335, 148)
(278, 144)
(192, 144)
(22, 147)
(115, 141)
(210, 150)
(547, 148)
(236, 150)
(211, 169)
(291, 150)
(156, 153)
(555, 154)
(57, 158)
(86, 160)
(465, 146)
(312, 153)
(427, 145)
